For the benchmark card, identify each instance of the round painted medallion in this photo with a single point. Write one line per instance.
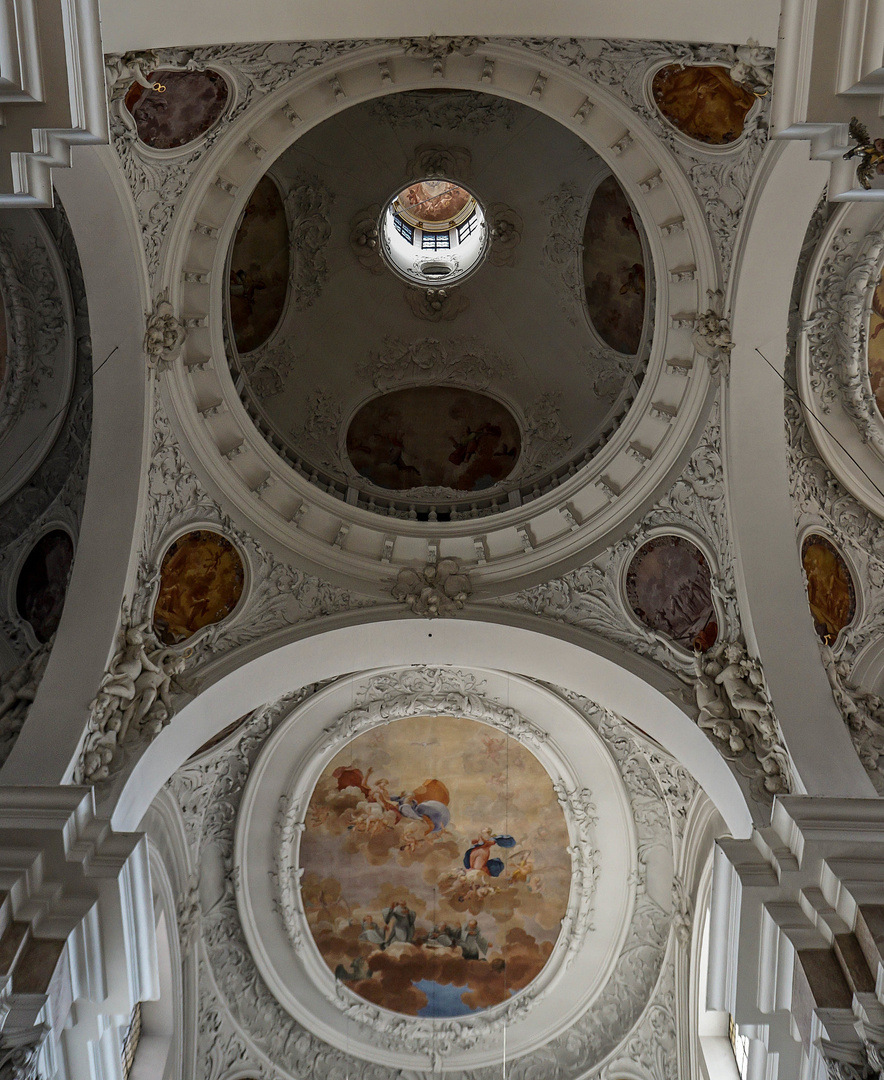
(668, 586)
(43, 583)
(201, 582)
(436, 871)
(434, 436)
(189, 103)
(703, 102)
(830, 590)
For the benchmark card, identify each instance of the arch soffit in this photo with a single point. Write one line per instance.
(623, 477)
(472, 643)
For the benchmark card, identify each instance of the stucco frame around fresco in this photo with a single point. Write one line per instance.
(588, 788)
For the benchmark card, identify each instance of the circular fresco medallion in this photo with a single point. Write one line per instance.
(201, 582)
(436, 870)
(434, 436)
(43, 583)
(668, 587)
(188, 104)
(830, 590)
(703, 102)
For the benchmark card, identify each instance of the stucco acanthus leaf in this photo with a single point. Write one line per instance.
(20, 1047)
(164, 335)
(18, 688)
(308, 203)
(506, 234)
(267, 368)
(836, 335)
(562, 255)
(188, 915)
(448, 162)
(608, 370)
(436, 305)
(437, 47)
(466, 111)
(462, 361)
(134, 701)
(863, 714)
(365, 240)
(711, 336)
(441, 588)
(321, 427)
(546, 440)
(34, 322)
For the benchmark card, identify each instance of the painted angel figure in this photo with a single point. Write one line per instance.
(868, 151)
(478, 856)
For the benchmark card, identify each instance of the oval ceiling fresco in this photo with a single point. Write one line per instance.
(433, 436)
(436, 871)
(668, 587)
(703, 102)
(190, 104)
(875, 351)
(201, 582)
(830, 590)
(614, 269)
(259, 268)
(43, 582)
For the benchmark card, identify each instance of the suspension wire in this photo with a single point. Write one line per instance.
(807, 409)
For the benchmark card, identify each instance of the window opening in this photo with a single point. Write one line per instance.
(403, 228)
(468, 227)
(435, 241)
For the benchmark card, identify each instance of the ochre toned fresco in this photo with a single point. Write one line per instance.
(259, 268)
(434, 201)
(201, 582)
(614, 269)
(668, 587)
(704, 103)
(190, 104)
(433, 436)
(876, 344)
(830, 590)
(43, 583)
(435, 866)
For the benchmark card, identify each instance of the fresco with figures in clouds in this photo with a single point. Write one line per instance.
(830, 590)
(703, 102)
(614, 269)
(201, 582)
(433, 436)
(875, 352)
(435, 864)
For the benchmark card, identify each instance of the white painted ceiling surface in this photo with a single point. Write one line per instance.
(128, 24)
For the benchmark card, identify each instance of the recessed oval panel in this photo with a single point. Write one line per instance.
(259, 268)
(201, 582)
(435, 866)
(190, 104)
(43, 582)
(703, 102)
(830, 589)
(668, 586)
(434, 436)
(614, 269)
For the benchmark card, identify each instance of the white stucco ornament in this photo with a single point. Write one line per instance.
(164, 335)
(438, 589)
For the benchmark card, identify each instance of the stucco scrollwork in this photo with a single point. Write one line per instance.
(364, 238)
(506, 234)
(436, 305)
(267, 368)
(441, 588)
(308, 204)
(164, 335)
(459, 360)
(468, 112)
(836, 334)
(448, 162)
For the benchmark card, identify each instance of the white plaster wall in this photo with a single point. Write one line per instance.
(130, 24)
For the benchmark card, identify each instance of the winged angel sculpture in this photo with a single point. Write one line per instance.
(869, 153)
